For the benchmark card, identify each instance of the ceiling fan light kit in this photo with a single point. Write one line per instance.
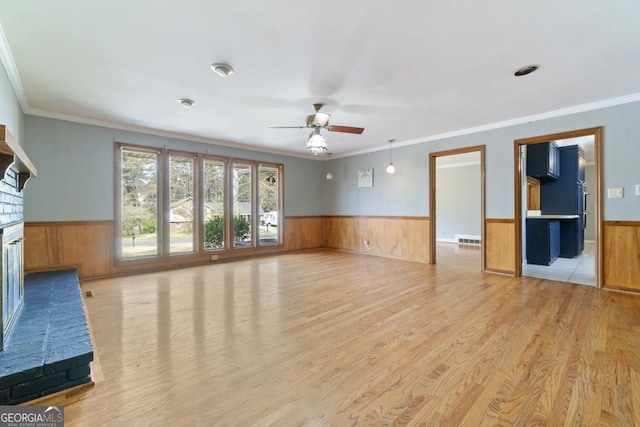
(221, 69)
(318, 119)
(316, 143)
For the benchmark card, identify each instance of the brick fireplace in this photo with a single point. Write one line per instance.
(45, 345)
(15, 170)
(12, 276)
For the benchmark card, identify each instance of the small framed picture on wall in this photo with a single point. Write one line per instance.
(365, 177)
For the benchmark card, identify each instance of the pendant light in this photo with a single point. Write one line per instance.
(329, 175)
(391, 169)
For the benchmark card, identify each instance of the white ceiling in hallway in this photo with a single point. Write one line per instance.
(587, 143)
(406, 70)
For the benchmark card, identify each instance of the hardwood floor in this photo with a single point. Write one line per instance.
(334, 339)
(460, 257)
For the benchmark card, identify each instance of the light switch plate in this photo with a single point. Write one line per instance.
(615, 193)
(637, 189)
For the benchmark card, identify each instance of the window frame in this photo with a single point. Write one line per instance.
(166, 188)
(226, 200)
(163, 208)
(118, 149)
(252, 167)
(280, 175)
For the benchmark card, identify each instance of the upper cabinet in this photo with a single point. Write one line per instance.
(573, 162)
(543, 161)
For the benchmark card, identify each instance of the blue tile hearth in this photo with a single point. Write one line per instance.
(48, 348)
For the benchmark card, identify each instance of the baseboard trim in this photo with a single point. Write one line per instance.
(501, 272)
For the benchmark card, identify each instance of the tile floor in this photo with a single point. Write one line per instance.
(581, 270)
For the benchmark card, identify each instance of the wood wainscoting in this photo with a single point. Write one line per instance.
(398, 237)
(85, 245)
(304, 232)
(88, 246)
(621, 261)
(500, 253)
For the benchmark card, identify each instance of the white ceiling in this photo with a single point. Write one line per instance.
(408, 70)
(587, 143)
(456, 160)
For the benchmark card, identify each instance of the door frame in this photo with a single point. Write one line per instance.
(596, 132)
(432, 198)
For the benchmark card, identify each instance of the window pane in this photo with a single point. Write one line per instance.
(242, 205)
(139, 210)
(213, 204)
(181, 204)
(269, 208)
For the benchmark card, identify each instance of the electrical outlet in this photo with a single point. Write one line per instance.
(214, 257)
(615, 193)
(366, 243)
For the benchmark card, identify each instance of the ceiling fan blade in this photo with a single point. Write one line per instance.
(345, 129)
(287, 127)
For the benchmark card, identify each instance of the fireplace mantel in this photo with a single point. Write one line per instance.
(12, 153)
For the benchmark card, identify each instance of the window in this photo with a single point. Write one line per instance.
(139, 203)
(182, 202)
(172, 203)
(242, 204)
(269, 204)
(214, 206)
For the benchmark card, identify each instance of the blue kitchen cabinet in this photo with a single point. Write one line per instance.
(566, 196)
(543, 161)
(571, 238)
(543, 241)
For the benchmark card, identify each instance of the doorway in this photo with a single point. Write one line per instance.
(456, 207)
(534, 213)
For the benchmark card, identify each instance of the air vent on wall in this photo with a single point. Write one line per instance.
(462, 239)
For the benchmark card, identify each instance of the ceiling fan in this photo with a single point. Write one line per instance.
(316, 143)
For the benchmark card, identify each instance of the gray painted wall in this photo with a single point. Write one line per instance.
(76, 173)
(76, 178)
(406, 192)
(458, 204)
(10, 111)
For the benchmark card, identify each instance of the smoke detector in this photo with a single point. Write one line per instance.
(221, 69)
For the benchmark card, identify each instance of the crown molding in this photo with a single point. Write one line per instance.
(161, 133)
(14, 77)
(12, 71)
(612, 102)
